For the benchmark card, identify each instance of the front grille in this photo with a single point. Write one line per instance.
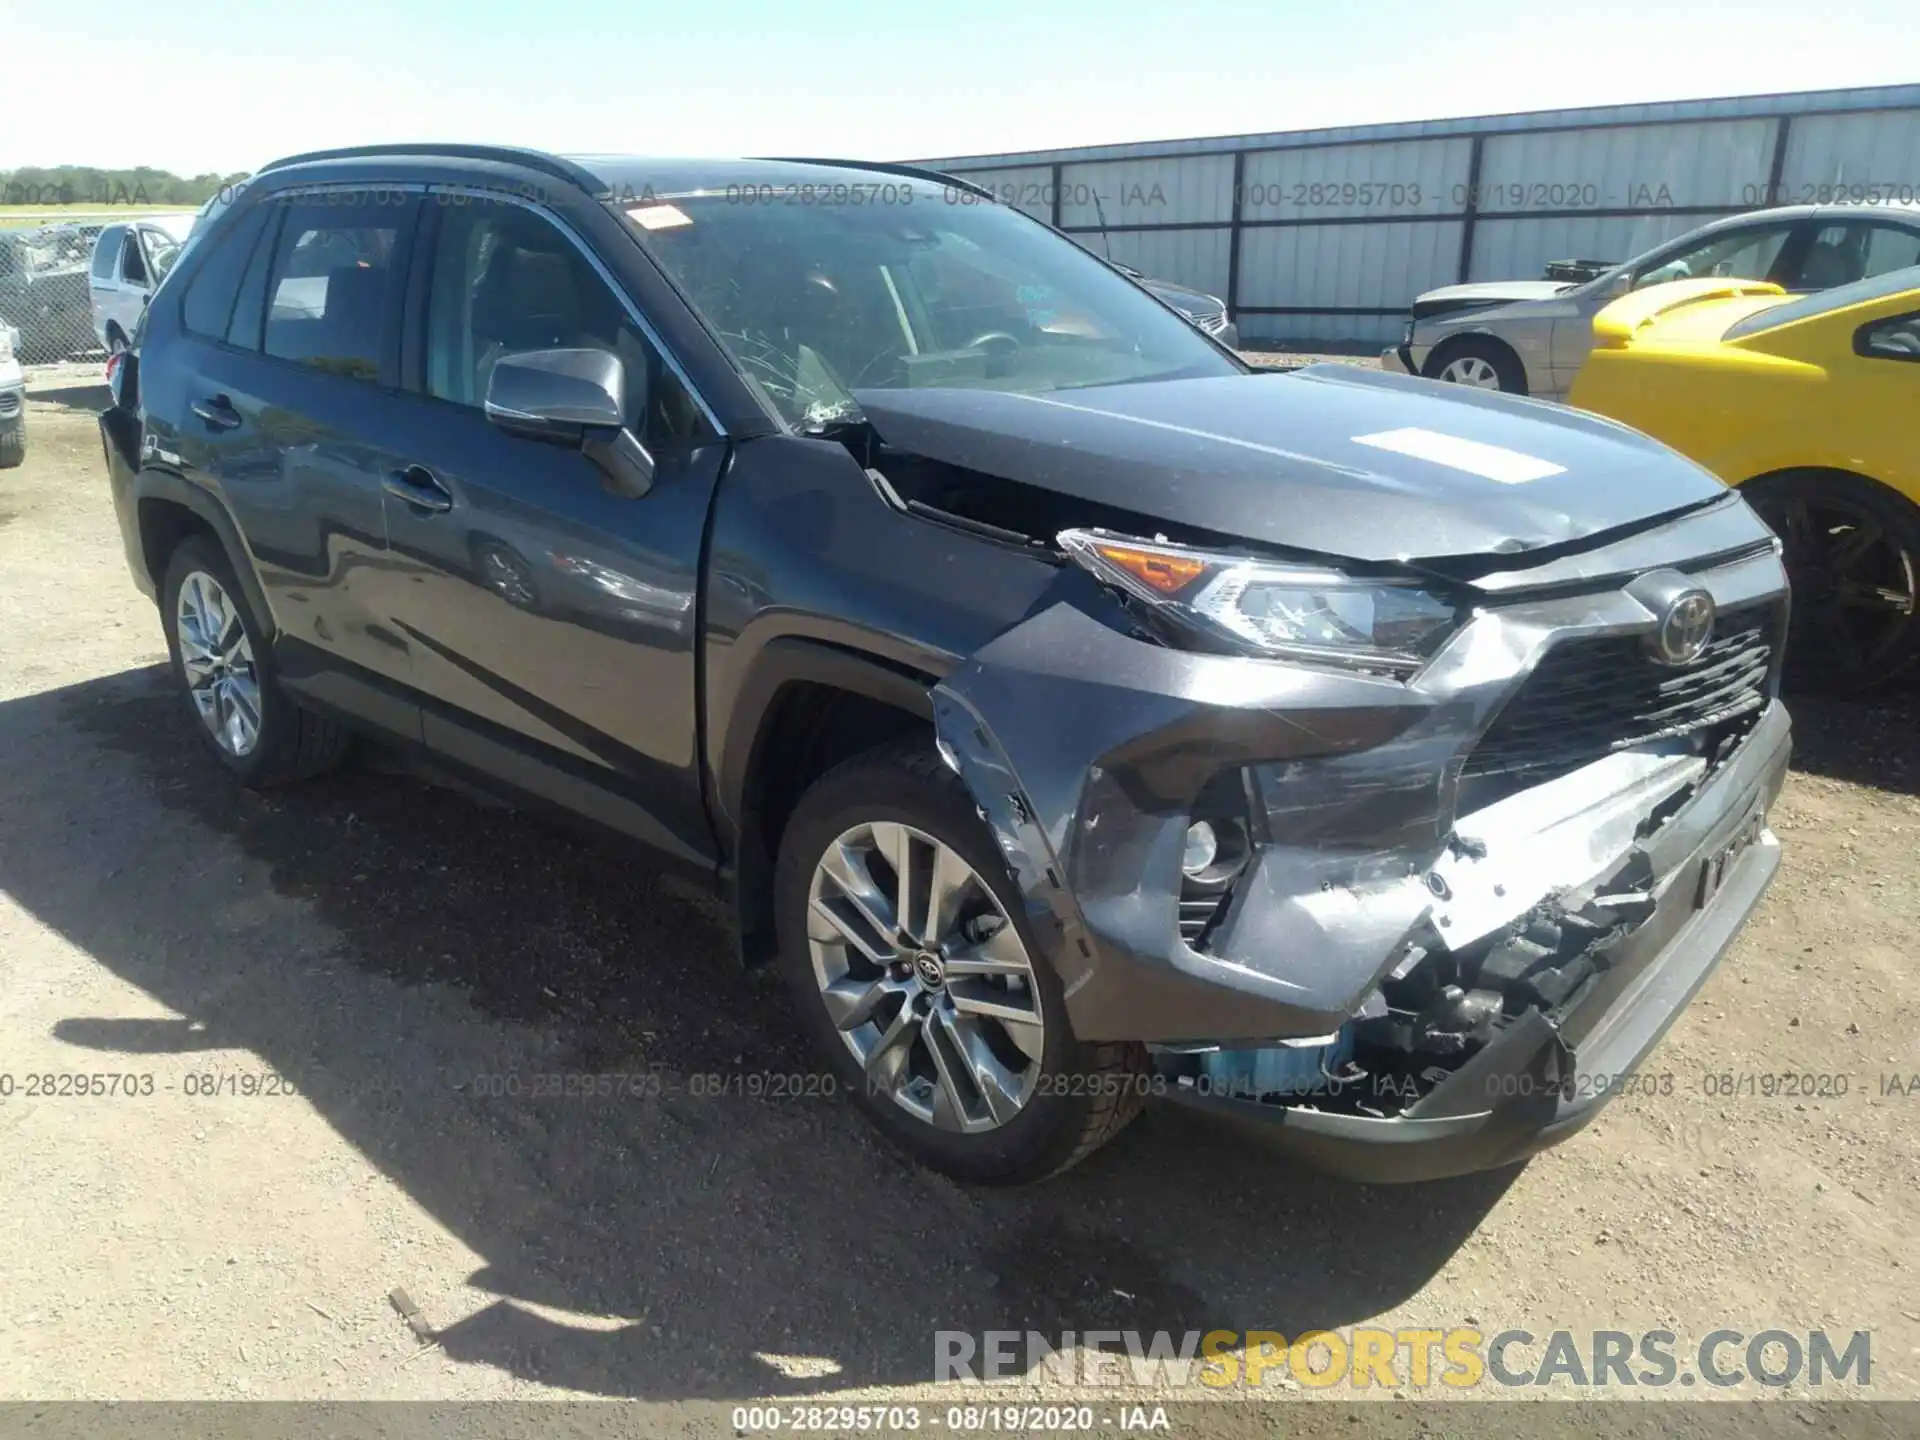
(9, 405)
(1197, 912)
(1589, 697)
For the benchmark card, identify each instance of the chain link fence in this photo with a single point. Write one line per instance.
(45, 260)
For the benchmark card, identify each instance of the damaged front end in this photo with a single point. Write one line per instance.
(1410, 924)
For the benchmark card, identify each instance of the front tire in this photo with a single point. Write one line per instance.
(1851, 548)
(1480, 364)
(225, 672)
(906, 944)
(13, 447)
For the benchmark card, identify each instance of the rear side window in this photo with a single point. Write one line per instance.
(106, 252)
(1895, 339)
(209, 304)
(333, 293)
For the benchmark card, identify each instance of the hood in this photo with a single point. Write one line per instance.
(1337, 460)
(1452, 299)
(1495, 292)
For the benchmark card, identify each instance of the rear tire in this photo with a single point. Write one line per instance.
(1852, 552)
(13, 447)
(251, 725)
(1075, 1096)
(1480, 363)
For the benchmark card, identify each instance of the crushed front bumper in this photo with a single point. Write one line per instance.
(1087, 750)
(1538, 1083)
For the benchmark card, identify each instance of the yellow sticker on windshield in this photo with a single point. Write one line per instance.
(659, 217)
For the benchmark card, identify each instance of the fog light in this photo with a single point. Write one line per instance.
(1203, 848)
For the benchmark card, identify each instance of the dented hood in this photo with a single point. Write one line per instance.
(1334, 459)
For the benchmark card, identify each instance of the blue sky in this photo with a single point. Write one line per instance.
(203, 86)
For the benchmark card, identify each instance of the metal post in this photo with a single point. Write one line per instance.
(1472, 207)
(1233, 237)
(1780, 135)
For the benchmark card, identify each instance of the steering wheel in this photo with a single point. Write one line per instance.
(1000, 347)
(999, 338)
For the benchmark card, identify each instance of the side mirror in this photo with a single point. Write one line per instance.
(572, 397)
(1621, 283)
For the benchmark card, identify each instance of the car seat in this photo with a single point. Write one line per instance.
(1830, 263)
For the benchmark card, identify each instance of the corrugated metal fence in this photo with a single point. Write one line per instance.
(1328, 234)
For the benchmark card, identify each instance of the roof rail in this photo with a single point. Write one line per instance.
(885, 167)
(503, 154)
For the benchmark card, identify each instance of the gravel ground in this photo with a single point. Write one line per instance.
(387, 946)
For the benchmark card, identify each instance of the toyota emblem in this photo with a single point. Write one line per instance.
(1685, 628)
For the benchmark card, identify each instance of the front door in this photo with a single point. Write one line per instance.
(553, 624)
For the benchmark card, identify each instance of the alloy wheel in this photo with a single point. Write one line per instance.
(1470, 370)
(925, 977)
(1855, 588)
(218, 660)
(507, 575)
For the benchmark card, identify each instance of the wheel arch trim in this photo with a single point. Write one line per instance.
(780, 664)
(164, 487)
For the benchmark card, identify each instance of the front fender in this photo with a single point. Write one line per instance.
(1086, 749)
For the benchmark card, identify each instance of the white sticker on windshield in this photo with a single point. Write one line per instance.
(1490, 462)
(659, 217)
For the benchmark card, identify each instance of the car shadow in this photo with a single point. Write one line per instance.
(405, 957)
(89, 398)
(1866, 740)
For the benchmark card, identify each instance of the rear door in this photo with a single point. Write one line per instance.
(292, 414)
(553, 623)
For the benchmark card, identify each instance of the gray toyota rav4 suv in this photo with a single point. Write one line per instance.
(1075, 716)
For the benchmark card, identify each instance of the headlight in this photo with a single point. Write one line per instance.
(6, 342)
(1264, 607)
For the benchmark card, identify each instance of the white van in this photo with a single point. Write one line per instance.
(129, 262)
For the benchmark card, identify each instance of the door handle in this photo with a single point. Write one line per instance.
(217, 412)
(417, 486)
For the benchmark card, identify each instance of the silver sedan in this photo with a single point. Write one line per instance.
(1530, 337)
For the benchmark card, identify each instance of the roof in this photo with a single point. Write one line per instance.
(622, 176)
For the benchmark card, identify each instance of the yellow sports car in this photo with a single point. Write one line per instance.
(1812, 407)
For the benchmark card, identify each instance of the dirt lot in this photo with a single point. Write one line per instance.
(387, 946)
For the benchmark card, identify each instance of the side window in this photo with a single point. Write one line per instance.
(133, 265)
(1842, 254)
(334, 289)
(1895, 339)
(504, 281)
(209, 304)
(1740, 255)
(106, 252)
(250, 307)
(1888, 248)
